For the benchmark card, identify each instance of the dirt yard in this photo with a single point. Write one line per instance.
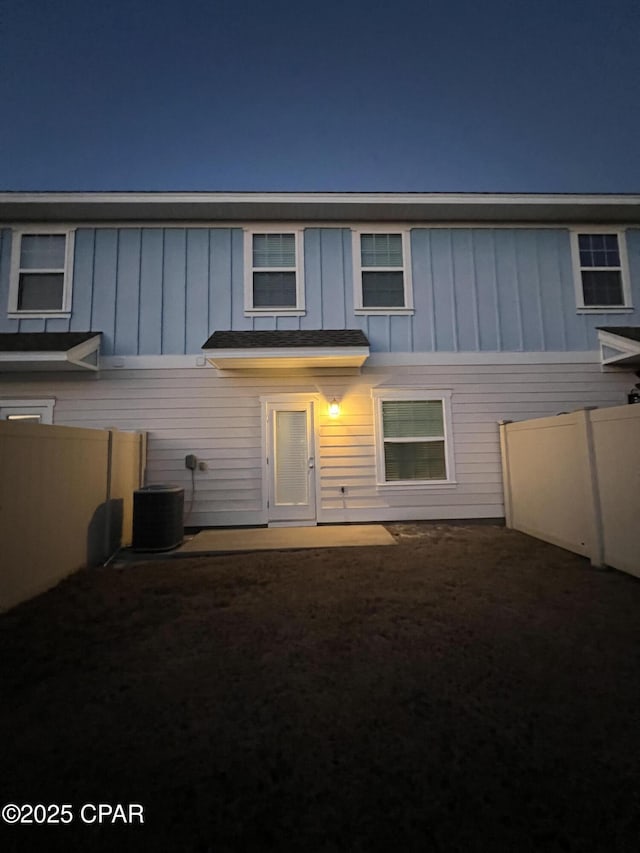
(470, 689)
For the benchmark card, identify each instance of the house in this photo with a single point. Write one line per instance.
(326, 357)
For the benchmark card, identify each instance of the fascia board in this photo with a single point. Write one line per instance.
(287, 356)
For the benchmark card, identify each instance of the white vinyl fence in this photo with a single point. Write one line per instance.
(574, 480)
(66, 501)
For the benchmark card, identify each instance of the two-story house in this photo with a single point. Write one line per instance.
(327, 357)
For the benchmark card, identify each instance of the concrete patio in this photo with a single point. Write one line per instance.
(284, 538)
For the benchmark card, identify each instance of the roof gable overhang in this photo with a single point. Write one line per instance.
(619, 347)
(47, 351)
(287, 350)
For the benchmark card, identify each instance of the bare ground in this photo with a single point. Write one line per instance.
(470, 689)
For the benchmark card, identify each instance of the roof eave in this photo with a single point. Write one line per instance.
(311, 207)
(74, 358)
(617, 350)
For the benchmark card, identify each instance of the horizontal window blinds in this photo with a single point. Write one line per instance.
(42, 251)
(274, 250)
(381, 250)
(291, 459)
(412, 418)
(415, 460)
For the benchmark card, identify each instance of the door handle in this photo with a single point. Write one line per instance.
(312, 462)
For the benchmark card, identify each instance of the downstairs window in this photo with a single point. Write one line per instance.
(413, 437)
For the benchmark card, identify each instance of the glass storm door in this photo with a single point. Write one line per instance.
(290, 463)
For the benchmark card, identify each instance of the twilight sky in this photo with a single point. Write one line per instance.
(438, 95)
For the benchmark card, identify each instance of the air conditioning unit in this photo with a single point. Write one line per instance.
(158, 518)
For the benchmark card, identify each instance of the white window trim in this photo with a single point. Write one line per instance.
(405, 233)
(14, 284)
(44, 408)
(380, 395)
(624, 272)
(249, 309)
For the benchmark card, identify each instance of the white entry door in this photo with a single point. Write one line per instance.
(291, 485)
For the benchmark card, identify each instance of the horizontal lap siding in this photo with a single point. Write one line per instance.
(481, 397)
(218, 417)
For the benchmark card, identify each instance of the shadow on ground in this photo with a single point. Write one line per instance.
(470, 689)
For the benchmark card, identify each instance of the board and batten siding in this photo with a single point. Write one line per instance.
(162, 290)
(219, 418)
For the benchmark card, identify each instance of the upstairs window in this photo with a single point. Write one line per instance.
(600, 268)
(382, 272)
(273, 284)
(41, 273)
(413, 437)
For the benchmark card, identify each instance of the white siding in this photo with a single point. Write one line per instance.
(218, 417)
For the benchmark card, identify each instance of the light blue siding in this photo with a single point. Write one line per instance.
(220, 275)
(465, 290)
(328, 278)
(151, 261)
(552, 307)
(489, 322)
(105, 277)
(174, 280)
(444, 295)
(313, 280)
(235, 276)
(581, 334)
(128, 292)
(197, 293)
(379, 334)
(334, 279)
(510, 310)
(496, 289)
(287, 323)
(424, 327)
(82, 297)
(400, 335)
(165, 290)
(528, 279)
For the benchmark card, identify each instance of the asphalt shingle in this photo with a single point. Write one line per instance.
(284, 339)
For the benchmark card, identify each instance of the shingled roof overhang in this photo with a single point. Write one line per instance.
(619, 345)
(308, 207)
(49, 351)
(287, 349)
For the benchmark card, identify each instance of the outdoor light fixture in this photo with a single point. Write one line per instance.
(334, 408)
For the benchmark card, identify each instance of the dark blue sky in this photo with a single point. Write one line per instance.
(500, 95)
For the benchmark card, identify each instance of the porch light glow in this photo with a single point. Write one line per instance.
(334, 408)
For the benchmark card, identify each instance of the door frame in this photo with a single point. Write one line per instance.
(312, 400)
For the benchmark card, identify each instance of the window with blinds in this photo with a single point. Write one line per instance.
(275, 275)
(40, 276)
(291, 453)
(412, 437)
(382, 274)
(600, 270)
